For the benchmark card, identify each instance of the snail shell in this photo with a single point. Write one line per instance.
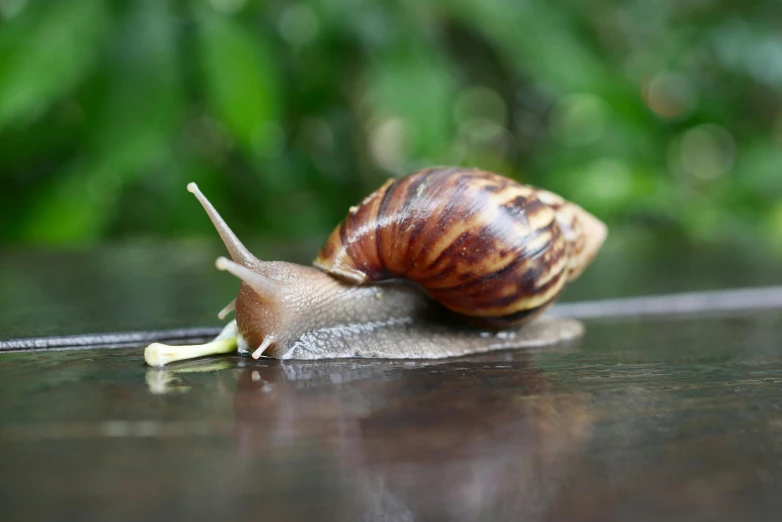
(480, 244)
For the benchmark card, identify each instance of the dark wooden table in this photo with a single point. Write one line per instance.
(672, 416)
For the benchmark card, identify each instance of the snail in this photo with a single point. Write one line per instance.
(439, 263)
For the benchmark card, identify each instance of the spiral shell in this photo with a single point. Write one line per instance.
(482, 245)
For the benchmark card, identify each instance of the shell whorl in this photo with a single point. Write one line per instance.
(480, 244)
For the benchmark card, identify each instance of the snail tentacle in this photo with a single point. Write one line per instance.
(262, 348)
(266, 287)
(238, 251)
(230, 307)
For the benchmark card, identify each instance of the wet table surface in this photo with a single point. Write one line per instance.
(647, 418)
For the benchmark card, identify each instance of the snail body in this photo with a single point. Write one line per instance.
(440, 263)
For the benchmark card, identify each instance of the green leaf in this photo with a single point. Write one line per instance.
(242, 82)
(137, 111)
(45, 52)
(74, 208)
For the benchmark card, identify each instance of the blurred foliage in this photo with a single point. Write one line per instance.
(660, 117)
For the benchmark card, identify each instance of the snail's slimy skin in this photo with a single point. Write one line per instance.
(318, 317)
(415, 339)
(441, 263)
(389, 321)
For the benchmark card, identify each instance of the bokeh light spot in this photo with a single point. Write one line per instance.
(579, 119)
(228, 6)
(707, 151)
(775, 226)
(298, 24)
(606, 182)
(482, 134)
(316, 136)
(480, 103)
(777, 137)
(669, 95)
(387, 142)
(11, 8)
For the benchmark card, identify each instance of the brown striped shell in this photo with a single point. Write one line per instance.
(482, 245)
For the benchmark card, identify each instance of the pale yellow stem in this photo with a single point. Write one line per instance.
(158, 354)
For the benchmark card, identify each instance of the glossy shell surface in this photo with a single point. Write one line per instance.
(481, 244)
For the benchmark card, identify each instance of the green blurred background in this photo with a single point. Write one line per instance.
(663, 118)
